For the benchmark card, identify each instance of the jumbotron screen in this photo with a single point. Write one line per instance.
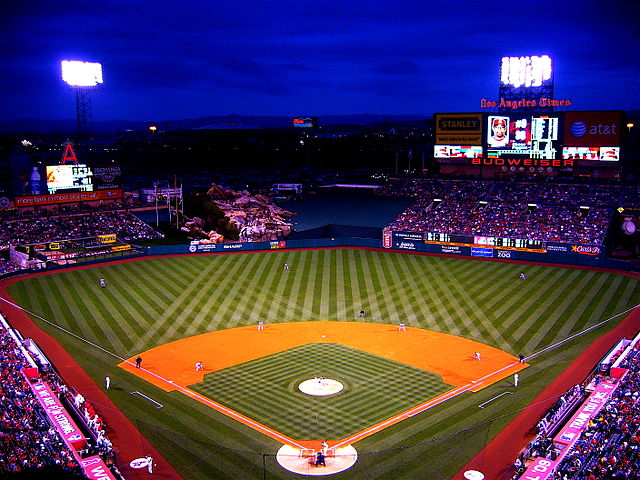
(69, 178)
(305, 122)
(593, 136)
(457, 151)
(509, 135)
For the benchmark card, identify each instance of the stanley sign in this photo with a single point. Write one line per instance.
(458, 128)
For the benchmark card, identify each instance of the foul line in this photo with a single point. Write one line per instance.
(216, 406)
(55, 325)
(358, 436)
(557, 344)
(422, 408)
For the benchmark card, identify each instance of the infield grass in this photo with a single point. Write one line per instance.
(156, 301)
(375, 389)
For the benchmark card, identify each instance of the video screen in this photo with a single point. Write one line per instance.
(522, 134)
(305, 122)
(457, 151)
(604, 154)
(509, 132)
(67, 178)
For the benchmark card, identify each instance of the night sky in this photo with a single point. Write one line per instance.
(186, 59)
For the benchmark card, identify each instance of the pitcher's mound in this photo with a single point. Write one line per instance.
(320, 387)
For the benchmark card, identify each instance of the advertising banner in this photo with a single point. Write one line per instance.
(109, 238)
(540, 469)
(58, 416)
(592, 129)
(458, 128)
(482, 252)
(107, 177)
(387, 239)
(68, 197)
(95, 469)
(570, 433)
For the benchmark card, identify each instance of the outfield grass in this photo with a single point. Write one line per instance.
(152, 302)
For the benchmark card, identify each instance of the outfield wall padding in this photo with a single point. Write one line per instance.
(564, 254)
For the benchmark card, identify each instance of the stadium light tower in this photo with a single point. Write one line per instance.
(83, 78)
(526, 78)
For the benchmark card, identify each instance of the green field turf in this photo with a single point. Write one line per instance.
(155, 301)
(375, 389)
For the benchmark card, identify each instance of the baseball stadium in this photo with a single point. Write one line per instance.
(472, 330)
(411, 391)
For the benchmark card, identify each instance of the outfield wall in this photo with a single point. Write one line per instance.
(545, 252)
(554, 253)
(591, 256)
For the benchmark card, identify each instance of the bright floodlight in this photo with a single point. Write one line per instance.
(81, 74)
(531, 71)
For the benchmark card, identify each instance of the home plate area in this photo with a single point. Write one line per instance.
(303, 461)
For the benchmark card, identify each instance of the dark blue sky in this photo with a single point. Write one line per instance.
(167, 59)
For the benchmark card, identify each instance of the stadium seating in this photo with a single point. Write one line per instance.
(29, 443)
(59, 227)
(609, 444)
(557, 216)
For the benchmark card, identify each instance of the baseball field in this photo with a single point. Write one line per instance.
(415, 403)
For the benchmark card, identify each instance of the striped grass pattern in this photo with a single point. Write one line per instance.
(152, 302)
(266, 389)
(156, 301)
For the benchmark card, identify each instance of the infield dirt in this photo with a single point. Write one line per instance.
(172, 366)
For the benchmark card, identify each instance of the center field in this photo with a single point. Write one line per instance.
(156, 301)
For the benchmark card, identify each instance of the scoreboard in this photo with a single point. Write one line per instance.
(521, 138)
(505, 243)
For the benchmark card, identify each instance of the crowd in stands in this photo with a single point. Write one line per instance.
(28, 441)
(7, 267)
(609, 446)
(541, 211)
(59, 227)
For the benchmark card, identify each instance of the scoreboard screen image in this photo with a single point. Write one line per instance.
(457, 151)
(513, 135)
(305, 122)
(604, 154)
(69, 178)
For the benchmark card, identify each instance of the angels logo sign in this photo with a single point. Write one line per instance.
(139, 463)
(387, 239)
(69, 155)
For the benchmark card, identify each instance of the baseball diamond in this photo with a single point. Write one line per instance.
(175, 311)
(259, 377)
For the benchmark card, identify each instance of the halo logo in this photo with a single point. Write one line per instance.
(139, 463)
(578, 129)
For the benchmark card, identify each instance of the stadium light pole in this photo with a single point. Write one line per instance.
(83, 78)
(155, 195)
